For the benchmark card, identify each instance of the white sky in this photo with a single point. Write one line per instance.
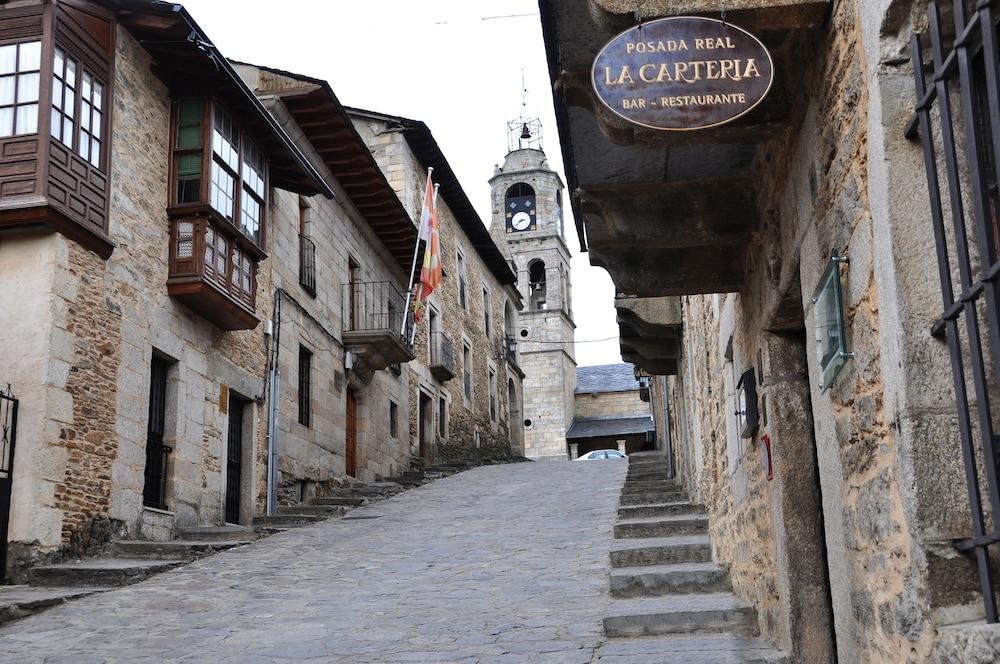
(439, 62)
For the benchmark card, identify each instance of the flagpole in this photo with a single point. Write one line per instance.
(413, 269)
(413, 332)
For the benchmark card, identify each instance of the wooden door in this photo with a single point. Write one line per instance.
(234, 460)
(351, 453)
(426, 424)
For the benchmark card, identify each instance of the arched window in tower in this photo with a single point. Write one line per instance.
(536, 281)
(519, 208)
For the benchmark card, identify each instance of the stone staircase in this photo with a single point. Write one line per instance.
(670, 602)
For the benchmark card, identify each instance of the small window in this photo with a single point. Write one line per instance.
(467, 372)
(493, 394)
(442, 417)
(393, 419)
(486, 310)
(20, 72)
(305, 385)
(462, 295)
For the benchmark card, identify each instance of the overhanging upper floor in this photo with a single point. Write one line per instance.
(667, 212)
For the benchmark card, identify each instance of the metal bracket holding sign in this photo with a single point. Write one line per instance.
(683, 73)
(830, 322)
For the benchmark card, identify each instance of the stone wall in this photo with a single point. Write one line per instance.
(879, 444)
(610, 404)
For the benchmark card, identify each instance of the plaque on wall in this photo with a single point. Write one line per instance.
(683, 73)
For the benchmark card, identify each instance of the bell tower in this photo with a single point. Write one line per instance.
(527, 205)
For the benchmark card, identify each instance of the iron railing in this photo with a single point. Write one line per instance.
(376, 306)
(154, 492)
(8, 437)
(307, 265)
(968, 74)
(442, 352)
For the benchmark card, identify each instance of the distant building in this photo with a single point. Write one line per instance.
(612, 411)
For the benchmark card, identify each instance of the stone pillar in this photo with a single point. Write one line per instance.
(573, 451)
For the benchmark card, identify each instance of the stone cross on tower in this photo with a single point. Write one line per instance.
(527, 204)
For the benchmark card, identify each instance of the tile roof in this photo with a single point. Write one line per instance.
(600, 427)
(606, 378)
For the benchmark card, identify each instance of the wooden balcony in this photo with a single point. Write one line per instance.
(442, 357)
(213, 267)
(376, 325)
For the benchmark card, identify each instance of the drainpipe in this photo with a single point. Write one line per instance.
(273, 392)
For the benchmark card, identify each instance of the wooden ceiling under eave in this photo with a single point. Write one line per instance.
(319, 114)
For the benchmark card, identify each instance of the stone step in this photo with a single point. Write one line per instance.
(680, 614)
(287, 520)
(172, 550)
(661, 551)
(20, 601)
(652, 497)
(100, 572)
(663, 509)
(320, 510)
(651, 476)
(676, 579)
(368, 490)
(662, 526)
(721, 648)
(216, 533)
(338, 500)
(633, 486)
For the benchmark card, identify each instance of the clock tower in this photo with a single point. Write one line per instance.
(527, 205)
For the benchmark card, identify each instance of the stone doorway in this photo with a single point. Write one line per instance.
(234, 459)
(351, 450)
(426, 426)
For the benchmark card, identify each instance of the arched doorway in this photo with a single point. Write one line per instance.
(514, 418)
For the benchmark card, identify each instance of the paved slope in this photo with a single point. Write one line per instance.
(497, 564)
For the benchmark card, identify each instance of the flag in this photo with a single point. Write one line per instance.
(431, 273)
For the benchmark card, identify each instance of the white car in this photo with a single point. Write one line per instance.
(602, 454)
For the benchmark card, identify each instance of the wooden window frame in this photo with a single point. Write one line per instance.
(207, 152)
(83, 70)
(16, 75)
(467, 373)
(487, 311)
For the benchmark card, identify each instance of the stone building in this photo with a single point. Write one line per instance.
(612, 411)
(466, 385)
(786, 272)
(203, 272)
(527, 205)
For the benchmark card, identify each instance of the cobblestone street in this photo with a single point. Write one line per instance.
(497, 564)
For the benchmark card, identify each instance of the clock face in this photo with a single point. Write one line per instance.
(520, 221)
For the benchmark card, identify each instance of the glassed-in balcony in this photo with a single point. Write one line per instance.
(442, 357)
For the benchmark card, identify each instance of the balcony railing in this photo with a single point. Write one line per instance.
(307, 265)
(442, 357)
(376, 324)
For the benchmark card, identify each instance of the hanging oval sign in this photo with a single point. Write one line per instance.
(683, 73)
